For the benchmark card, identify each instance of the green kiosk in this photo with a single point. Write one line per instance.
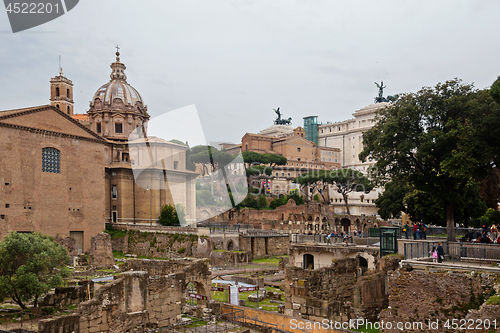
(389, 240)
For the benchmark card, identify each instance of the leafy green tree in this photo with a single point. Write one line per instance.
(168, 216)
(495, 90)
(422, 207)
(30, 265)
(179, 142)
(390, 203)
(294, 194)
(181, 213)
(490, 188)
(436, 139)
(261, 202)
(258, 170)
(210, 158)
(251, 157)
(345, 181)
(316, 197)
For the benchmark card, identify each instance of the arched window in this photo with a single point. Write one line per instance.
(57, 106)
(68, 110)
(51, 160)
(57, 91)
(67, 93)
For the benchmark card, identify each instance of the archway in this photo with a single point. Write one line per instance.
(362, 262)
(325, 225)
(308, 261)
(346, 225)
(195, 294)
(230, 245)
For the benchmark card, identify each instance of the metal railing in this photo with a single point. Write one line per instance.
(437, 231)
(319, 238)
(24, 320)
(229, 228)
(456, 251)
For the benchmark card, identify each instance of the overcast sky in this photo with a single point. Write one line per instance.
(237, 60)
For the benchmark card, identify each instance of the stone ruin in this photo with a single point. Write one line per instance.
(150, 295)
(101, 252)
(417, 296)
(337, 292)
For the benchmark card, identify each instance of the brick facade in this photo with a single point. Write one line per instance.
(68, 203)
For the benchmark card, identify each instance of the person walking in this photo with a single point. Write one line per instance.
(415, 231)
(406, 229)
(440, 253)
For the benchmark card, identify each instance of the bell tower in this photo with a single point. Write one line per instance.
(61, 93)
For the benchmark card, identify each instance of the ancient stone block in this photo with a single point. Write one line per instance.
(101, 253)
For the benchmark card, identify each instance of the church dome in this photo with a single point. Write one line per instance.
(118, 94)
(117, 108)
(118, 89)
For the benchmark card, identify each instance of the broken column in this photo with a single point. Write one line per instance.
(101, 253)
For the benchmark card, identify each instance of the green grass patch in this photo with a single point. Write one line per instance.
(196, 322)
(118, 254)
(494, 300)
(268, 261)
(114, 233)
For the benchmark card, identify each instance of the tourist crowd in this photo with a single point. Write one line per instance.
(486, 235)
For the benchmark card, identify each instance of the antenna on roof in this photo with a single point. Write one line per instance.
(60, 68)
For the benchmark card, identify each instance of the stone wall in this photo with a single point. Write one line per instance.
(196, 271)
(68, 295)
(157, 244)
(137, 300)
(118, 306)
(339, 292)
(69, 244)
(226, 241)
(314, 216)
(274, 322)
(283, 261)
(120, 244)
(418, 296)
(101, 254)
(265, 246)
(228, 258)
(165, 295)
(170, 245)
(64, 324)
(321, 293)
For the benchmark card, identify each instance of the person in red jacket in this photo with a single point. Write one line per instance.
(415, 231)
